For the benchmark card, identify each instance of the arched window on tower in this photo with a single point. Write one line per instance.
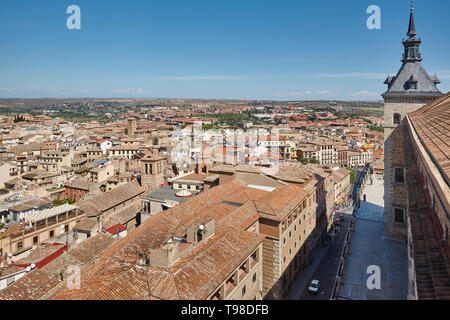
(397, 118)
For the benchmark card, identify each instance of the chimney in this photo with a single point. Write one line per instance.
(165, 256)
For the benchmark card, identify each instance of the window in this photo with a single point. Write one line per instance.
(244, 289)
(397, 118)
(66, 228)
(52, 233)
(284, 259)
(399, 176)
(254, 278)
(35, 240)
(19, 245)
(399, 216)
(284, 241)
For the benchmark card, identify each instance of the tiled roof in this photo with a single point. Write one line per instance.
(91, 247)
(124, 215)
(104, 201)
(293, 172)
(86, 224)
(432, 123)
(199, 270)
(194, 276)
(38, 254)
(80, 184)
(431, 254)
(39, 283)
(10, 270)
(280, 202)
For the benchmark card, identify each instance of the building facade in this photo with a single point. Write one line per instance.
(409, 90)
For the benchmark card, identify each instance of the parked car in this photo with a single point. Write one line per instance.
(337, 222)
(314, 287)
(342, 218)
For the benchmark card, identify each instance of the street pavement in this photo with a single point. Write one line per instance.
(327, 270)
(323, 268)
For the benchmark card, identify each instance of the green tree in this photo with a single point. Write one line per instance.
(353, 175)
(374, 128)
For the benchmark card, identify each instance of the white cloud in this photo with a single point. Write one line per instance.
(129, 91)
(323, 92)
(189, 78)
(302, 94)
(354, 75)
(365, 93)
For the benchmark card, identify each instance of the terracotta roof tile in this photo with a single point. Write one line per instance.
(432, 123)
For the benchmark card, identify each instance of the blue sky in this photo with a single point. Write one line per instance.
(233, 49)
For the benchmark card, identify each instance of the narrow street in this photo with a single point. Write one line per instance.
(327, 269)
(326, 262)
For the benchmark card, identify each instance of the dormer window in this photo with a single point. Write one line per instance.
(411, 84)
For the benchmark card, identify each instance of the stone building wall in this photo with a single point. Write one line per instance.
(395, 194)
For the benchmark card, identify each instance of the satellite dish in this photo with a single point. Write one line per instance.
(202, 227)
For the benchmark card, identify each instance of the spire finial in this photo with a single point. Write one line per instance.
(412, 27)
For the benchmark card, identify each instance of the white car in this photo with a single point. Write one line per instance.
(314, 287)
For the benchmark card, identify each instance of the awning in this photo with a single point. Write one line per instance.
(44, 214)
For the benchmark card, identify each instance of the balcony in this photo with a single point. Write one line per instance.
(243, 272)
(229, 286)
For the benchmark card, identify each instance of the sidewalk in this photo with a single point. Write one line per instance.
(369, 247)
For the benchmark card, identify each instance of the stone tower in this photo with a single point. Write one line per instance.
(152, 172)
(131, 127)
(409, 90)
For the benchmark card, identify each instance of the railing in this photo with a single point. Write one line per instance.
(253, 263)
(340, 271)
(229, 287)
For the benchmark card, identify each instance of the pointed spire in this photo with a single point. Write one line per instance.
(412, 27)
